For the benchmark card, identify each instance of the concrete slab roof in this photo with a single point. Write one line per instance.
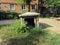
(27, 14)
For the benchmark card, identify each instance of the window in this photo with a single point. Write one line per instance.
(23, 7)
(0, 6)
(12, 7)
(33, 7)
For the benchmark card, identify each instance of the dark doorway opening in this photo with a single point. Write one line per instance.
(30, 22)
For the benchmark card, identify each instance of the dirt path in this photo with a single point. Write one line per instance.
(50, 24)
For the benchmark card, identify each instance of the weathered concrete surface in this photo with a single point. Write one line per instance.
(6, 22)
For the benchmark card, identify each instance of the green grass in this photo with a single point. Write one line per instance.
(34, 37)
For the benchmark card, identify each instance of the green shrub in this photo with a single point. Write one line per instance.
(8, 15)
(18, 27)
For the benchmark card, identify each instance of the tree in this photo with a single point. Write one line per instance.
(41, 7)
(54, 4)
(20, 2)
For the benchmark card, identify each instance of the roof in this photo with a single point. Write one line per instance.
(29, 14)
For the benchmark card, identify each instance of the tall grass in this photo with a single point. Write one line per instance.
(14, 30)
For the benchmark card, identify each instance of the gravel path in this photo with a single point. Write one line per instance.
(6, 22)
(52, 24)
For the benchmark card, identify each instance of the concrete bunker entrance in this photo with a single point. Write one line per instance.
(30, 22)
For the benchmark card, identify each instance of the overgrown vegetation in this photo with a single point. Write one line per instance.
(18, 27)
(13, 30)
(18, 34)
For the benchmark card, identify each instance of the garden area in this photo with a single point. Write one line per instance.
(18, 34)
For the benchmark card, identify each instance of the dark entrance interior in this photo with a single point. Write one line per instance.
(30, 22)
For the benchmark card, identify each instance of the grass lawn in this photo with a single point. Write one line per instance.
(35, 37)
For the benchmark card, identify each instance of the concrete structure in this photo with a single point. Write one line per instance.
(31, 18)
(11, 5)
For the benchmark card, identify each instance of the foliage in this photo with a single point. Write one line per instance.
(14, 30)
(23, 1)
(52, 8)
(20, 2)
(8, 15)
(36, 36)
(7, 32)
(52, 3)
(18, 27)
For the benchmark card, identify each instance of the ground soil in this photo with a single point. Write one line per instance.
(52, 24)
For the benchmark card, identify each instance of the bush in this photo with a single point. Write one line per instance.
(8, 15)
(18, 27)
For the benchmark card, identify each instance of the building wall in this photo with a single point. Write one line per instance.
(18, 8)
(5, 7)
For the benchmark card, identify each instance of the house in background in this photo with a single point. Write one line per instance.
(11, 5)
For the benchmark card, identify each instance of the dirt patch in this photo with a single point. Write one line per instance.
(53, 24)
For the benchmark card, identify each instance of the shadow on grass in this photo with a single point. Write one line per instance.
(31, 39)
